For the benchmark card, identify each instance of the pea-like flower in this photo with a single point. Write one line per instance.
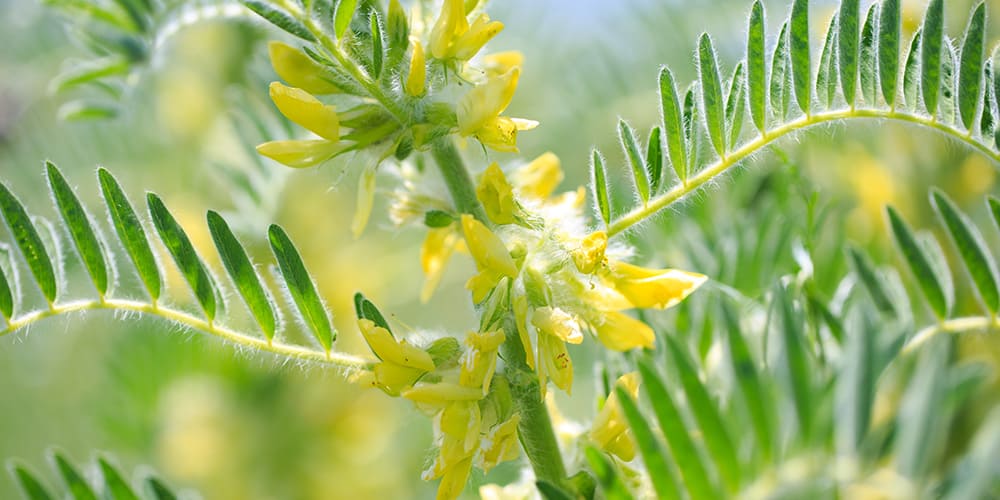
(299, 70)
(305, 110)
(402, 364)
(610, 431)
(492, 258)
(497, 196)
(452, 37)
(479, 112)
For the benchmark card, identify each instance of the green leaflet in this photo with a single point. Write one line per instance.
(244, 275)
(888, 50)
(301, 287)
(130, 233)
(756, 72)
(713, 429)
(919, 439)
(626, 136)
(947, 107)
(598, 177)
(378, 44)
(654, 160)
(870, 280)
(855, 390)
(158, 490)
(89, 72)
(932, 34)
(31, 486)
(6, 297)
(911, 76)
(869, 58)
(176, 240)
(711, 93)
(976, 474)
(735, 106)
(691, 129)
(116, 487)
(796, 361)
(847, 37)
(918, 263)
(971, 247)
(397, 28)
(970, 77)
(343, 15)
(365, 309)
(799, 43)
(682, 447)
(826, 78)
(751, 390)
(280, 19)
(550, 491)
(85, 239)
(75, 484)
(30, 242)
(672, 124)
(607, 475)
(781, 79)
(653, 454)
(988, 121)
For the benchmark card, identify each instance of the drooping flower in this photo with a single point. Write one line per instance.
(401, 364)
(305, 110)
(621, 332)
(492, 258)
(590, 253)
(500, 444)
(299, 70)
(437, 248)
(539, 178)
(497, 196)
(452, 37)
(498, 63)
(479, 112)
(610, 431)
(652, 288)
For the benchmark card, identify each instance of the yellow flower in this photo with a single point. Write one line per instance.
(539, 178)
(473, 40)
(416, 78)
(657, 288)
(460, 423)
(302, 108)
(500, 444)
(610, 431)
(620, 332)
(402, 364)
(496, 195)
(499, 63)
(479, 111)
(554, 363)
(480, 359)
(434, 254)
(454, 480)
(520, 306)
(491, 256)
(301, 154)
(442, 393)
(558, 323)
(299, 70)
(590, 253)
(365, 201)
(453, 38)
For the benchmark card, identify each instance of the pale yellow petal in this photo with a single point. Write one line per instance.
(416, 77)
(486, 101)
(302, 108)
(365, 200)
(487, 248)
(539, 178)
(388, 349)
(434, 254)
(496, 195)
(646, 288)
(620, 332)
(299, 70)
(473, 40)
(300, 154)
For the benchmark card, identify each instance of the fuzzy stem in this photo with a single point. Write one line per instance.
(538, 439)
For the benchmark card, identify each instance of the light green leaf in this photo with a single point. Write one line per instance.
(654, 456)
(847, 36)
(735, 106)
(343, 16)
(77, 220)
(781, 78)
(6, 297)
(932, 35)
(711, 93)
(691, 129)
(75, 484)
(988, 121)
(550, 491)
(130, 233)
(88, 72)
(301, 287)
(801, 65)
(970, 75)
(977, 473)
(626, 136)
(920, 435)
(756, 67)
(599, 184)
(869, 57)
(672, 125)
(654, 160)
(796, 361)
(365, 309)
(607, 475)
(378, 44)
(116, 487)
(30, 242)
(157, 490)
(751, 390)
(971, 247)
(826, 76)
(911, 73)
(888, 50)
(176, 240)
(870, 280)
(31, 486)
(244, 275)
(856, 386)
(280, 18)
(918, 263)
(947, 107)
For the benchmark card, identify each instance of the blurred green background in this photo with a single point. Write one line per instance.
(234, 424)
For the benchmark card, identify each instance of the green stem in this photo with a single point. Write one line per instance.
(538, 439)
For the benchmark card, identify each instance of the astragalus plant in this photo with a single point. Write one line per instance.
(776, 389)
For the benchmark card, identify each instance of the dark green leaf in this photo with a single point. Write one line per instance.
(713, 430)
(654, 160)
(116, 487)
(691, 130)
(77, 486)
(31, 486)
(947, 107)
(932, 35)
(970, 74)
(847, 36)
(711, 93)
(130, 232)
(301, 287)
(243, 273)
(735, 106)
(280, 19)
(869, 57)
(871, 280)
(653, 454)
(756, 67)
(781, 78)
(176, 240)
(80, 228)
(550, 491)
(918, 263)
(911, 73)
(977, 473)
(378, 43)
(28, 240)
(89, 72)
(682, 447)
(971, 247)
(599, 182)
(672, 125)
(826, 76)
(626, 136)
(398, 28)
(365, 309)
(797, 363)
(988, 121)
(6, 297)
(611, 483)
(801, 65)
(342, 19)
(888, 50)
(747, 377)
(158, 490)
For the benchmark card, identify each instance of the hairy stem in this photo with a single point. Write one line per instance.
(955, 325)
(734, 157)
(457, 178)
(182, 318)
